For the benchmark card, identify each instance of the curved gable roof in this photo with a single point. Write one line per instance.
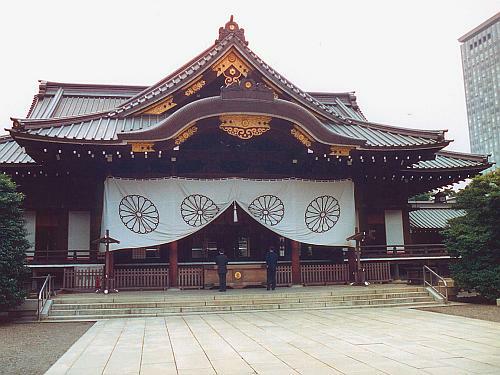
(72, 112)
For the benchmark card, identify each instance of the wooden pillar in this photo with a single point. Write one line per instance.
(406, 226)
(352, 264)
(108, 269)
(296, 279)
(173, 268)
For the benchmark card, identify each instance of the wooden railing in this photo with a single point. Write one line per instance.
(403, 251)
(141, 278)
(323, 274)
(377, 272)
(190, 277)
(65, 256)
(284, 275)
(82, 279)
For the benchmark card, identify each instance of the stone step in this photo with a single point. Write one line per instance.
(86, 318)
(170, 296)
(213, 308)
(241, 301)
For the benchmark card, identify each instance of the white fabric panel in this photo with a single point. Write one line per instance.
(394, 227)
(142, 213)
(30, 226)
(79, 230)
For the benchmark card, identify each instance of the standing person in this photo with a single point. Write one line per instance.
(221, 261)
(272, 265)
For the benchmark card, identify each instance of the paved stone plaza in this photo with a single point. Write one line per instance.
(350, 341)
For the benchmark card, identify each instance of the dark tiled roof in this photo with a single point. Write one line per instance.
(378, 137)
(450, 160)
(74, 105)
(433, 218)
(98, 129)
(106, 128)
(343, 104)
(56, 100)
(12, 153)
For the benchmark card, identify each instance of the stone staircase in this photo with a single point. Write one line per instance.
(90, 307)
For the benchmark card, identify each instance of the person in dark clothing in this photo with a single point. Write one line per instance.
(272, 265)
(221, 261)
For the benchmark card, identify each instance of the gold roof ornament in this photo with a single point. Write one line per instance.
(338, 150)
(245, 126)
(301, 136)
(161, 107)
(185, 135)
(232, 66)
(195, 87)
(142, 146)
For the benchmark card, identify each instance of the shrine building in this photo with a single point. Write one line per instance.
(223, 153)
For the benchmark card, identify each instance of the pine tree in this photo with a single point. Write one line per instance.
(13, 245)
(475, 238)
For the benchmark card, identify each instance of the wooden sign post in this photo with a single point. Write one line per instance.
(108, 266)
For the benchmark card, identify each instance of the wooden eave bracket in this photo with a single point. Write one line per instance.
(142, 146)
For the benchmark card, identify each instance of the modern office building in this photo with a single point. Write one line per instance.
(481, 66)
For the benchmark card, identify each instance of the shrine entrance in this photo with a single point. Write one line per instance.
(241, 237)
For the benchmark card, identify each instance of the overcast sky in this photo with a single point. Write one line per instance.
(401, 57)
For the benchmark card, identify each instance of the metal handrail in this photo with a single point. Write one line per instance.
(43, 295)
(430, 283)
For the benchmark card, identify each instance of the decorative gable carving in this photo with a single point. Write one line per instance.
(160, 107)
(185, 135)
(302, 137)
(195, 87)
(232, 66)
(245, 126)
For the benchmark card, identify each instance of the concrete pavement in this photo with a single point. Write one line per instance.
(354, 341)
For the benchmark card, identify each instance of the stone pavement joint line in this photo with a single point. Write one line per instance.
(358, 341)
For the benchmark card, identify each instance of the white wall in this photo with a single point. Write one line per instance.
(30, 225)
(79, 232)
(394, 227)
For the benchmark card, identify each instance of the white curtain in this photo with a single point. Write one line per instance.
(141, 213)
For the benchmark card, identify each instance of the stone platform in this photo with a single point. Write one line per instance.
(88, 306)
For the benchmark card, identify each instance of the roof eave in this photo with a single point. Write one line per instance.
(432, 134)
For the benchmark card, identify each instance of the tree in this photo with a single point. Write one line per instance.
(475, 237)
(13, 245)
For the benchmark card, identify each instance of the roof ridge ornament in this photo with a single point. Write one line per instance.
(231, 27)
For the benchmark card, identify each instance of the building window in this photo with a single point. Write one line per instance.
(152, 252)
(145, 253)
(139, 253)
(243, 247)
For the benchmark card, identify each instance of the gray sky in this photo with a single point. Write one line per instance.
(401, 57)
